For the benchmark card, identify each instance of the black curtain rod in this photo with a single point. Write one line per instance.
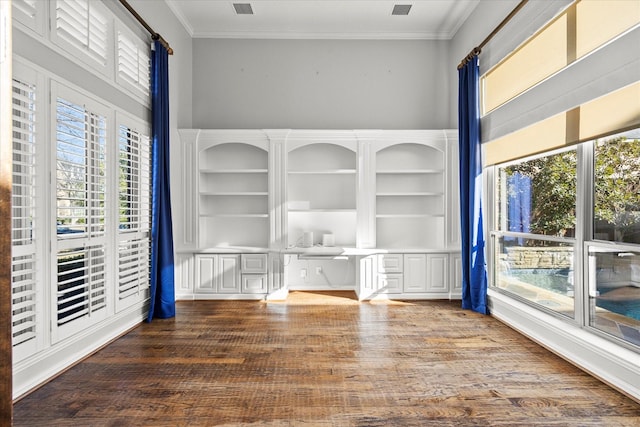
(154, 35)
(476, 50)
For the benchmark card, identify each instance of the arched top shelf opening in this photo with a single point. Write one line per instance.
(234, 156)
(410, 156)
(321, 157)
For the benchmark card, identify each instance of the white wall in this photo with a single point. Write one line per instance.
(320, 84)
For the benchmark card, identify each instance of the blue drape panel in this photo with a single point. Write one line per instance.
(519, 203)
(162, 303)
(474, 272)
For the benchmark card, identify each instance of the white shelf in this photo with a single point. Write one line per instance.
(321, 210)
(410, 216)
(410, 194)
(410, 171)
(234, 193)
(234, 215)
(234, 171)
(323, 172)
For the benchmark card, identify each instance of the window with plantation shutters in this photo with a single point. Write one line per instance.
(81, 192)
(29, 13)
(24, 260)
(134, 62)
(134, 189)
(83, 26)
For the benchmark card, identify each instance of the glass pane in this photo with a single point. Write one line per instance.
(614, 297)
(617, 188)
(539, 195)
(539, 271)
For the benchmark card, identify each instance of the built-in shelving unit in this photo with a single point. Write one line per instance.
(410, 196)
(321, 193)
(245, 199)
(233, 196)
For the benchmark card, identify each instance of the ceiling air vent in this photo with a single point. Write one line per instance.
(401, 9)
(243, 8)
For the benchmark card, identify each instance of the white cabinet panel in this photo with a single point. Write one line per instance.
(415, 273)
(228, 273)
(206, 273)
(437, 273)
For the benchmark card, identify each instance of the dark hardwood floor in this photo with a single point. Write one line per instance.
(325, 360)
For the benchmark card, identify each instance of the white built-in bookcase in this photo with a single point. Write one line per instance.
(386, 196)
(410, 196)
(321, 192)
(233, 195)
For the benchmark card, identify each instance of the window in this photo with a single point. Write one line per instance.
(614, 253)
(81, 194)
(534, 241)
(134, 63)
(24, 262)
(83, 27)
(29, 13)
(134, 220)
(617, 188)
(536, 252)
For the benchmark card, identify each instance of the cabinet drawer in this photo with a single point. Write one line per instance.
(254, 283)
(390, 283)
(390, 263)
(254, 263)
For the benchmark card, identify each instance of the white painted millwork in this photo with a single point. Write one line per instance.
(256, 205)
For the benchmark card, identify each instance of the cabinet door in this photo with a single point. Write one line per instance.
(254, 283)
(206, 273)
(415, 273)
(228, 273)
(254, 263)
(437, 269)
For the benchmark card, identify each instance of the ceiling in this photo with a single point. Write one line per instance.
(323, 19)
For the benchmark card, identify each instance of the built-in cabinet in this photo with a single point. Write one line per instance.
(237, 274)
(248, 202)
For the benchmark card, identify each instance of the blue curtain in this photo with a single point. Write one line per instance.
(519, 203)
(474, 272)
(162, 304)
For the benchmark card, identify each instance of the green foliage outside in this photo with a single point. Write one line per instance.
(616, 191)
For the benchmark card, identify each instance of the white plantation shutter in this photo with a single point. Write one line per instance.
(134, 187)
(134, 63)
(80, 171)
(29, 13)
(24, 260)
(81, 283)
(133, 271)
(81, 194)
(83, 25)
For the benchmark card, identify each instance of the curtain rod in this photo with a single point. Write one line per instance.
(154, 35)
(476, 50)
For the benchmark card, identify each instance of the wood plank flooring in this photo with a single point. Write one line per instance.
(323, 359)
